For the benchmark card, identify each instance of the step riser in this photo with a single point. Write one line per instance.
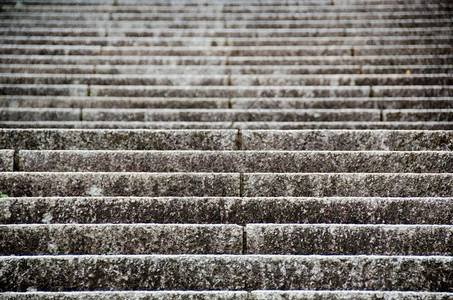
(229, 125)
(227, 184)
(237, 273)
(224, 70)
(121, 239)
(226, 239)
(55, 139)
(226, 91)
(234, 61)
(224, 80)
(224, 103)
(228, 210)
(220, 162)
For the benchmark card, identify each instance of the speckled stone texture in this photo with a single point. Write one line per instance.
(343, 295)
(222, 295)
(346, 184)
(6, 160)
(19, 184)
(118, 139)
(224, 272)
(212, 210)
(244, 161)
(120, 239)
(392, 140)
(350, 239)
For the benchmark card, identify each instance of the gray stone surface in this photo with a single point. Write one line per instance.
(350, 239)
(19, 184)
(389, 140)
(113, 102)
(230, 115)
(189, 272)
(120, 239)
(351, 125)
(228, 91)
(227, 210)
(337, 295)
(132, 295)
(244, 161)
(44, 90)
(6, 160)
(418, 115)
(118, 139)
(39, 114)
(347, 184)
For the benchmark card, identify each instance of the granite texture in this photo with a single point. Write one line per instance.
(223, 210)
(120, 239)
(350, 239)
(118, 139)
(6, 160)
(389, 140)
(192, 272)
(244, 161)
(20, 184)
(347, 185)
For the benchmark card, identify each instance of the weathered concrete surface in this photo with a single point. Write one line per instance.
(227, 210)
(350, 239)
(120, 239)
(118, 139)
(347, 185)
(418, 115)
(131, 295)
(6, 160)
(192, 272)
(391, 140)
(39, 114)
(351, 125)
(236, 161)
(19, 184)
(114, 102)
(230, 115)
(337, 295)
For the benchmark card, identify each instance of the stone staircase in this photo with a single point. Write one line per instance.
(226, 149)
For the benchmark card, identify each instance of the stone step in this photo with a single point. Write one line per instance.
(26, 184)
(225, 115)
(226, 91)
(132, 28)
(223, 103)
(6, 160)
(225, 272)
(218, 9)
(245, 161)
(340, 140)
(333, 239)
(312, 16)
(219, 41)
(226, 210)
(223, 70)
(441, 49)
(229, 295)
(349, 239)
(232, 3)
(227, 80)
(351, 125)
(311, 140)
(123, 239)
(211, 61)
(275, 20)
